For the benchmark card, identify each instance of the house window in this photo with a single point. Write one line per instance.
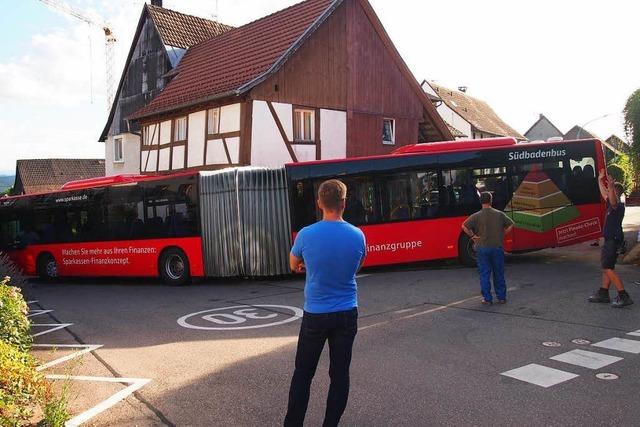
(303, 125)
(180, 129)
(213, 121)
(117, 150)
(388, 131)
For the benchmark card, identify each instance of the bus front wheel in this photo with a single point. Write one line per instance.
(174, 267)
(47, 268)
(466, 251)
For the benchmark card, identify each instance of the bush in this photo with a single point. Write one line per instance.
(21, 386)
(621, 170)
(9, 269)
(14, 325)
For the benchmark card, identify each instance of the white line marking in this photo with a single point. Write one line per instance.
(586, 359)
(56, 327)
(135, 384)
(33, 313)
(540, 375)
(422, 313)
(634, 333)
(86, 348)
(620, 344)
(360, 276)
(32, 302)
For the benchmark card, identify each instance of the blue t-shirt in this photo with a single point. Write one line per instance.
(332, 252)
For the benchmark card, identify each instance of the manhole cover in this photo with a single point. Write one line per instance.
(551, 344)
(581, 341)
(607, 376)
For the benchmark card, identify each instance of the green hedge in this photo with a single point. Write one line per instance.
(22, 388)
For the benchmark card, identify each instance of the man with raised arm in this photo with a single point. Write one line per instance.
(331, 251)
(613, 238)
(487, 228)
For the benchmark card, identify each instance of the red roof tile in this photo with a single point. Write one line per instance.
(224, 64)
(40, 175)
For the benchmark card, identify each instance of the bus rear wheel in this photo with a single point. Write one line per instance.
(466, 251)
(174, 267)
(47, 267)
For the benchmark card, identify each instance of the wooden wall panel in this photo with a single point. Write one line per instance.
(364, 134)
(316, 75)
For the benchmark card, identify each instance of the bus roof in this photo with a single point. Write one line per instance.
(106, 181)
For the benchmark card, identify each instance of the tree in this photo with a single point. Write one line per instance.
(632, 129)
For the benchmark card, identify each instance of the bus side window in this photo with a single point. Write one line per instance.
(362, 205)
(582, 180)
(464, 197)
(303, 202)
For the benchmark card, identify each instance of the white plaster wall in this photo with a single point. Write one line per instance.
(163, 164)
(233, 144)
(230, 118)
(165, 132)
(195, 154)
(154, 134)
(149, 161)
(333, 135)
(130, 153)
(267, 147)
(455, 120)
(178, 158)
(305, 153)
(215, 152)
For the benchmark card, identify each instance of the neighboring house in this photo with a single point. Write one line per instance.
(160, 41)
(472, 117)
(577, 132)
(542, 130)
(318, 80)
(41, 175)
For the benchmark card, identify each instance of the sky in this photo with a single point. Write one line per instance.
(572, 60)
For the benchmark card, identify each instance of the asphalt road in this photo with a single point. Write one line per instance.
(427, 351)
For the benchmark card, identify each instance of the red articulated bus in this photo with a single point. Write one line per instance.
(411, 204)
(137, 226)
(241, 221)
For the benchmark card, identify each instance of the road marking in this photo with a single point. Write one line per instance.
(539, 375)
(55, 327)
(361, 276)
(239, 314)
(586, 359)
(422, 313)
(33, 313)
(86, 348)
(607, 376)
(134, 385)
(620, 344)
(32, 302)
(635, 333)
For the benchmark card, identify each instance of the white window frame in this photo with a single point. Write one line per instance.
(298, 116)
(393, 131)
(176, 128)
(213, 121)
(118, 157)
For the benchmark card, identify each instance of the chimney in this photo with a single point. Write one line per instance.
(156, 3)
(462, 89)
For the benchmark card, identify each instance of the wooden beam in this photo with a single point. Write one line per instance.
(246, 123)
(287, 143)
(226, 150)
(317, 136)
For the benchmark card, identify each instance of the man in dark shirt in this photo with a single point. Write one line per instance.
(487, 228)
(613, 238)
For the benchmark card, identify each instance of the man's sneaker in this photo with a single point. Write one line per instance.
(600, 296)
(622, 301)
(485, 302)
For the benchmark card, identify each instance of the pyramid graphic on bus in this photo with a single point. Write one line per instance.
(538, 204)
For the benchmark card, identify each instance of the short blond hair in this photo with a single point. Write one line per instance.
(331, 193)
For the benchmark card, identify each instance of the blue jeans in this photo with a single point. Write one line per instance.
(491, 260)
(340, 330)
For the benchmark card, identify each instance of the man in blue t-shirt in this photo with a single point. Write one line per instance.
(613, 239)
(331, 251)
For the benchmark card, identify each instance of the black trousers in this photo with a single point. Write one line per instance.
(340, 330)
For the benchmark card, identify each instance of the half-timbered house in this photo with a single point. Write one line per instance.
(318, 80)
(161, 39)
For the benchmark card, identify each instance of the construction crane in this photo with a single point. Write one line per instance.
(109, 41)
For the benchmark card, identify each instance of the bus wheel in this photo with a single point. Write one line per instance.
(466, 251)
(174, 267)
(47, 267)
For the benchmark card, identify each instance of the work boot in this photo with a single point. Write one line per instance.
(622, 300)
(601, 295)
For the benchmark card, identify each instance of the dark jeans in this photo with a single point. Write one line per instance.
(340, 329)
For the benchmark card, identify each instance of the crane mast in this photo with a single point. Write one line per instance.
(109, 42)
